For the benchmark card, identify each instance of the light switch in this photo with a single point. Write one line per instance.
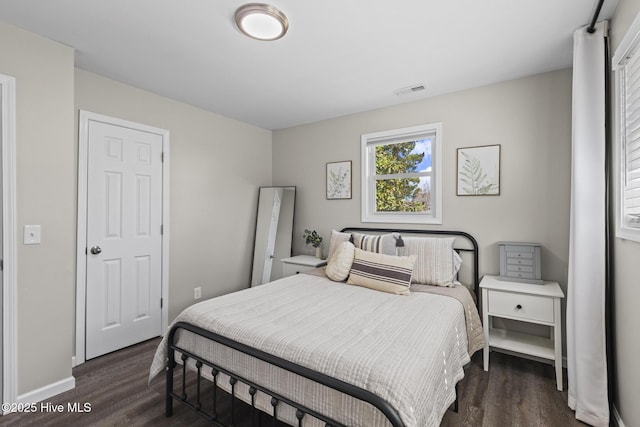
(32, 234)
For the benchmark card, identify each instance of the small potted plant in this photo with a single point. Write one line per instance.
(314, 239)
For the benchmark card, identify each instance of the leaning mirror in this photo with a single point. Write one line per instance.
(274, 232)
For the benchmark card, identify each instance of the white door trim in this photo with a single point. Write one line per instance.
(9, 248)
(81, 266)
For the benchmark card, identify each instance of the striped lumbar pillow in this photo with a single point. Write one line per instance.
(382, 272)
(380, 243)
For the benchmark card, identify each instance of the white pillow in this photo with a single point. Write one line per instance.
(336, 239)
(339, 264)
(457, 262)
(435, 260)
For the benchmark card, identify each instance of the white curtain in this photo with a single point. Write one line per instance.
(586, 335)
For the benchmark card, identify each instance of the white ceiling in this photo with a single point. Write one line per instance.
(339, 56)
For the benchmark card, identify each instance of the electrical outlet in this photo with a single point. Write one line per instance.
(197, 293)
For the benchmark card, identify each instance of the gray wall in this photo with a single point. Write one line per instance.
(626, 282)
(45, 162)
(216, 167)
(213, 199)
(529, 117)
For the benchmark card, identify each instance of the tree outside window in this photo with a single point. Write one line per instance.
(411, 193)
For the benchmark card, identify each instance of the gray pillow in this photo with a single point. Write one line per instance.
(378, 243)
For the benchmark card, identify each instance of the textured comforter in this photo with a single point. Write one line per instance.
(409, 350)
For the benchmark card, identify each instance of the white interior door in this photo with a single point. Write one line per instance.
(124, 241)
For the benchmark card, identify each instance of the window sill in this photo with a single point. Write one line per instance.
(402, 219)
(625, 233)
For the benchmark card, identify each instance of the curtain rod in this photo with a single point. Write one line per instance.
(592, 26)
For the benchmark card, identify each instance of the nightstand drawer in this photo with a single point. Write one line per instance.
(291, 269)
(301, 263)
(526, 307)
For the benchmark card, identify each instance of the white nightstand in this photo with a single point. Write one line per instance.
(300, 263)
(527, 303)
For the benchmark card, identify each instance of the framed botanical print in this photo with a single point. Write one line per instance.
(339, 180)
(478, 171)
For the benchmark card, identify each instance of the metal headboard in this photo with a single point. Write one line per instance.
(474, 245)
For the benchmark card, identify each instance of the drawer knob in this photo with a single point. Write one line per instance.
(518, 307)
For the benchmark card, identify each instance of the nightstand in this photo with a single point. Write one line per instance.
(300, 263)
(529, 303)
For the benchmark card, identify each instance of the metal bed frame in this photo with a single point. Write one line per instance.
(196, 404)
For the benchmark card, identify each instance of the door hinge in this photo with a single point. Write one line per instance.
(162, 157)
(85, 251)
(161, 229)
(1, 265)
(160, 302)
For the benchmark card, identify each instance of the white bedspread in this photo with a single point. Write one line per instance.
(409, 350)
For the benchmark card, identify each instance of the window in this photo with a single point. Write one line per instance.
(626, 63)
(401, 175)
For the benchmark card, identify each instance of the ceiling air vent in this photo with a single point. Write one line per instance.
(409, 90)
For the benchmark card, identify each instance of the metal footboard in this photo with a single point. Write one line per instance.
(196, 403)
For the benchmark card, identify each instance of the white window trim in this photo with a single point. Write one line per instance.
(625, 48)
(368, 184)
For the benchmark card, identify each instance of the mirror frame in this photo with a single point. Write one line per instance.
(253, 252)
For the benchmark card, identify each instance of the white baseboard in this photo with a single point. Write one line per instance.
(616, 416)
(48, 391)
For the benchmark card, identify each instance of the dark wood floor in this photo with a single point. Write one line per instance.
(515, 392)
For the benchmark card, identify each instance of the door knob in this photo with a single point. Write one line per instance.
(96, 250)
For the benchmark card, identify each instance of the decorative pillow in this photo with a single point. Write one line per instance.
(435, 261)
(336, 239)
(379, 243)
(387, 273)
(457, 262)
(339, 264)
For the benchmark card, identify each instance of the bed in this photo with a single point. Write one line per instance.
(312, 351)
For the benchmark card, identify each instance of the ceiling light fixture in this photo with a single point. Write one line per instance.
(261, 21)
